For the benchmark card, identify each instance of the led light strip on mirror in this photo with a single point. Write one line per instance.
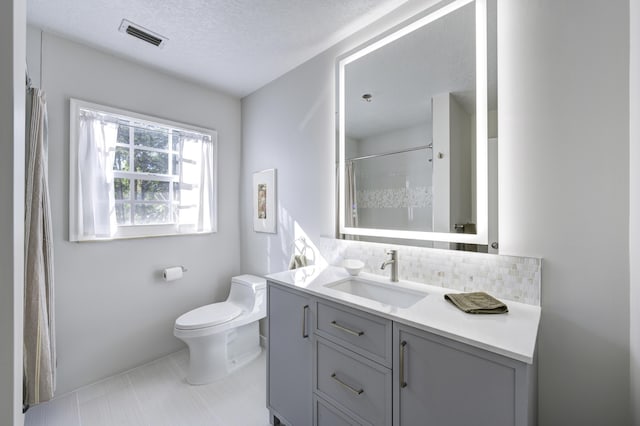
(481, 129)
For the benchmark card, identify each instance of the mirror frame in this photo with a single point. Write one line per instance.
(482, 188)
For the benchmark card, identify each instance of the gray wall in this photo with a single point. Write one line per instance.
(564, 184)
(564, 194)
(34, 50)
(113, 310)
(12, 106)
(634, 212)
(290, 124)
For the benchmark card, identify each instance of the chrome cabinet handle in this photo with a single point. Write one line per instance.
(346, 329)
(403, 345)
(305, 334)
(350, 388)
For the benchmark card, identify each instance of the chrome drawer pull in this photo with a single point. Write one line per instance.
(403, 345)
(352, 389)
(346, 330)
(305, 334)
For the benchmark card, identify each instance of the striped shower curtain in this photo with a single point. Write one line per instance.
(351, 207)
(351, 195)
(39, 336)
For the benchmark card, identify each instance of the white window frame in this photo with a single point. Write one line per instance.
(135, 230)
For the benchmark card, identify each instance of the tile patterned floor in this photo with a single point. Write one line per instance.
(157, 394)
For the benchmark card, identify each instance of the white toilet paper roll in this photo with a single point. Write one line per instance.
(172, 274)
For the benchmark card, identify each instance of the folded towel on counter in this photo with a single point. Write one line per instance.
(297, 261)
(477, 303)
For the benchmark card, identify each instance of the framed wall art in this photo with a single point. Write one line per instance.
(264, 201)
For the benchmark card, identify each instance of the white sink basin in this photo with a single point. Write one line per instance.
(388, 294)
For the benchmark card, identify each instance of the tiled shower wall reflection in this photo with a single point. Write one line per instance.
(508, 277)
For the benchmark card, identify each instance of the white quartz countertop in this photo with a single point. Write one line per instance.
(512, 334)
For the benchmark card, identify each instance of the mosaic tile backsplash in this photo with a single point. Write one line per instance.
(394, 198)
(507, 277)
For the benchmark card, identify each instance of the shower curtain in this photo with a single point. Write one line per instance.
(351, 207)
(39, 336)
(350, 194)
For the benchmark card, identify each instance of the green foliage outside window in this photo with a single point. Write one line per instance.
(148, 154)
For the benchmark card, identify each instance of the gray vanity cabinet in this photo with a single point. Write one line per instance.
(445, 383)
(289, 356)
(331, 365)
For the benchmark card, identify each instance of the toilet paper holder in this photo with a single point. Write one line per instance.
(173, 273)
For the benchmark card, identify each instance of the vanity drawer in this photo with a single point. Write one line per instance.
(346, 379)
(366, 334)
(325, 414)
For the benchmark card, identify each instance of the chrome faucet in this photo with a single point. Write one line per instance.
(394, 264)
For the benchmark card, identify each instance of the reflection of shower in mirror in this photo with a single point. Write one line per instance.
(393, 190)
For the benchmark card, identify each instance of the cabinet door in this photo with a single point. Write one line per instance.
(289, 356)
(443, 383)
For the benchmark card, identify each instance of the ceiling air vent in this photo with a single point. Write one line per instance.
(142, 33)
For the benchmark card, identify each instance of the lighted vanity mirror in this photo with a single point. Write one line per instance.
(414, 127)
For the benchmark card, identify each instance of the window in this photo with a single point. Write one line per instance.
(138, 176)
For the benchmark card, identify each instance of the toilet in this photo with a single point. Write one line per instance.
(223, 337)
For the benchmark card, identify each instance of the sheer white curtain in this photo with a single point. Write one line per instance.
(96, 152)
(196, 196)
(39, 320)
(206, 207)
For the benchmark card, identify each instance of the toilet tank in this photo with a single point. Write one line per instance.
(248, 292)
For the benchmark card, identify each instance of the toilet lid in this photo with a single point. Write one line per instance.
(206, 316)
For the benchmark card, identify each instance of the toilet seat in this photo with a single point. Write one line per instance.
(207, 316)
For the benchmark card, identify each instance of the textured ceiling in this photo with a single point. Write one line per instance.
(233, 45)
